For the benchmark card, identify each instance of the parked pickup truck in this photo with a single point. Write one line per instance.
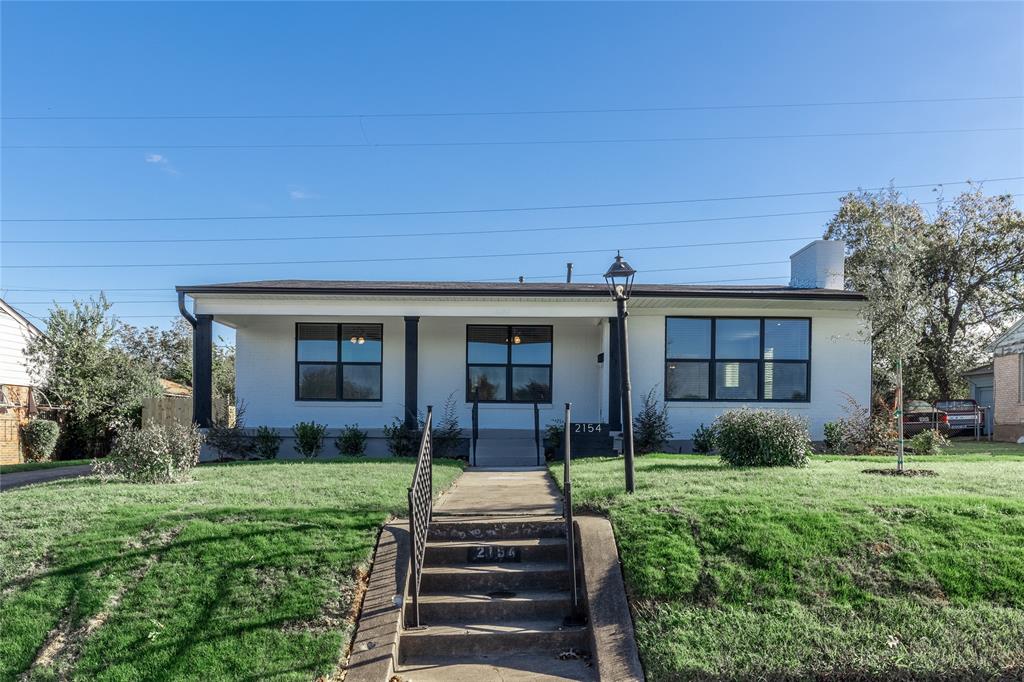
(919, 415)
(963, 415)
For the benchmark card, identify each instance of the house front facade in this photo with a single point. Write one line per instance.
(367, 353)
(16, 397)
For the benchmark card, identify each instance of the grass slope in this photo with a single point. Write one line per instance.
(246, 573)
(820, 572)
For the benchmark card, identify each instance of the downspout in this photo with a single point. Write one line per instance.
(189, 317)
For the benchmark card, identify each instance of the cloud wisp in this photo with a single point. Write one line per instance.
(163, 163)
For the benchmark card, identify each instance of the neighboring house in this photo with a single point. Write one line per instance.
(981, 380)
(16, 396)
(366, 353)
(1008, 377)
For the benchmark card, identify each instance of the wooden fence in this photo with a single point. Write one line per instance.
(177, 409)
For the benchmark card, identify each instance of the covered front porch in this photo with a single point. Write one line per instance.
(507, 366)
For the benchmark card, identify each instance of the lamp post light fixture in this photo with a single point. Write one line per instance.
(620, 284)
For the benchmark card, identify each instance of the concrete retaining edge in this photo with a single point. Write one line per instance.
(613, 641)
(375, 647)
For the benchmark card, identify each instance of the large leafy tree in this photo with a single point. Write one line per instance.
(169, 352)
(83, 371)
(966, 264)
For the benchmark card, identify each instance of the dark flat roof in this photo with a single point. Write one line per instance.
(395, 288)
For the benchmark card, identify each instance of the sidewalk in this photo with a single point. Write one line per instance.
(497, 492)
(23, 478)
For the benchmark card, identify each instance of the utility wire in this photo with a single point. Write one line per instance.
(505, 143)
(521, 112)
(514, 209)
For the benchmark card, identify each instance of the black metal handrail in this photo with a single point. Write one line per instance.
(536, 432)
(476, 423)
(570, 530)
(421, 509)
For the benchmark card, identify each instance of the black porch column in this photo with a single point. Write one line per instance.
(412, 349)
(202, 371)
(614, 377)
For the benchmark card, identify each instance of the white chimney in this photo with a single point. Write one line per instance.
(819, 265)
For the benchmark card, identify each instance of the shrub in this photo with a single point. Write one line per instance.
(704, 440)
(266, 443)
(554, 434)
(929, 442)
(860, 432)
(309, 438)
(402, 441)
(351, 441)
(446, 432)
(228, 437)
(38, 439)
(650, 427)
(834, 437)
(152, 454)
(762, 438)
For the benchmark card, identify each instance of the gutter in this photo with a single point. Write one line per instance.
(517, 292)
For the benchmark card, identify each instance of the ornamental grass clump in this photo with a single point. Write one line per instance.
(762, 438)
(152, 454)
(38, 439)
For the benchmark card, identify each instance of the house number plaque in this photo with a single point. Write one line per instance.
(587, 427)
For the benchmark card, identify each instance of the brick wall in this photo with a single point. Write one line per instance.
(10, 423)
(1009, 414)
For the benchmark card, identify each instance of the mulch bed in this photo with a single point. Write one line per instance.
(905, 472)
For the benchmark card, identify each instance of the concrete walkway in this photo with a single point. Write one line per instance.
(23, 478)
(486, 493)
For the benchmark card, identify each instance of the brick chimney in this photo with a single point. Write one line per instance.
(819, 265)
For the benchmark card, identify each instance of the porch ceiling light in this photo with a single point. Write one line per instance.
(620, 278)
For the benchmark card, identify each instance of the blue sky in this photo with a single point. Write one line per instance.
(145, 59)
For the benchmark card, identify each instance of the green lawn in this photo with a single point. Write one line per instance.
(34, 466)
(246, 573)
(821, 572)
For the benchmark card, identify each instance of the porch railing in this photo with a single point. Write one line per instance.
(421, 508)
(570, 529)
(536, 432)
(476, 424)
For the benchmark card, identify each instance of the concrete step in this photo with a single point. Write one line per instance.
(500, 452)
(477, 578)
(527, 549)
(522, 605)
(489, 639)
(495, 529)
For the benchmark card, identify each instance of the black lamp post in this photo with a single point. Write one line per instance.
(620, 284)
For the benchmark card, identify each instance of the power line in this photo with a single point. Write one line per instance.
(527, 112)
(503, 143)
(514, 209)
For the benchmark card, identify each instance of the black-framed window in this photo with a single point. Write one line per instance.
(508, 363)
(738, 358)
(338, 361)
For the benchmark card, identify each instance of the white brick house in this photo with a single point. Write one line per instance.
(344, 352)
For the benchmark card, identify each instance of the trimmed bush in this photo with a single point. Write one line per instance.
(704, 440)
(351, 441)
(834, 437)
(309, 438)
(650, 427)
(152, 454)
(38, 439)
(266, 443)
(762, 438)
(402, 441)
(928, 442)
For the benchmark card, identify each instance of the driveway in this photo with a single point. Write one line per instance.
(16, 480)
